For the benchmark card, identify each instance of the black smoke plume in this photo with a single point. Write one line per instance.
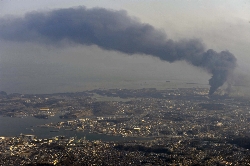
(115, 30)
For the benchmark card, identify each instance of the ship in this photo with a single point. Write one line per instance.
(41, 116)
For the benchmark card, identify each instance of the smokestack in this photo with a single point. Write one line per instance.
(115, 30)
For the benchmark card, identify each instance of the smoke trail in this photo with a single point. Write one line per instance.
(115, 30)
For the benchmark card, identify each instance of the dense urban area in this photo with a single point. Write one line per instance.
(182, 126)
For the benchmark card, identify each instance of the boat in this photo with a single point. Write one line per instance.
(41, 116)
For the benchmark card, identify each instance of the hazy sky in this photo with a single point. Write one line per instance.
(37, 67)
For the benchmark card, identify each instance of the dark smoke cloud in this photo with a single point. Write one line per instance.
(115, 30)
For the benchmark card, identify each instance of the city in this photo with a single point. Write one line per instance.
(181, 126)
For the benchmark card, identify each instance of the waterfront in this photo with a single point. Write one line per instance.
(14, 126)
